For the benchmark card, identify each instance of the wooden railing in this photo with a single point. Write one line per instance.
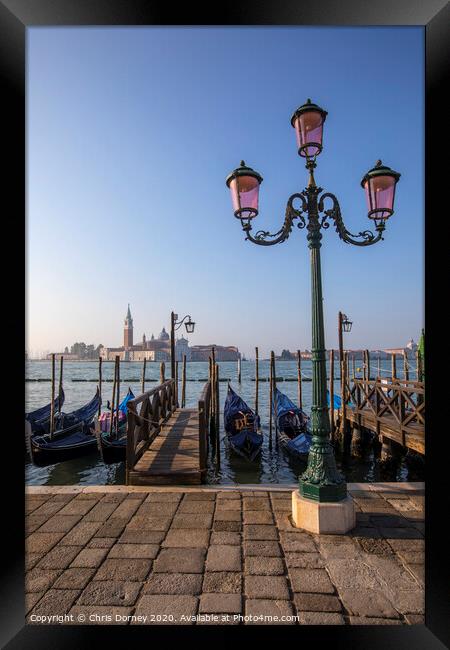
(146, 414)
(401, 400)
(204, 415)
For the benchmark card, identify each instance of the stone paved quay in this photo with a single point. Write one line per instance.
(180, 552)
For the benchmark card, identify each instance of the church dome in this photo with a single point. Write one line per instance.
(163, 336)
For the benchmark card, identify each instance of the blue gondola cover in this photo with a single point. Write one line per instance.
(72, 429)
(241, 425)
(337, 401)
(40, 417)
(290, 417)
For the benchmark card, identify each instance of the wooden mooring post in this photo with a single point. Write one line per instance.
(100, 361)
(52, 406)
(274, 388)
(118, 396)
(270, 400)
(60, 385)
(212, 419)
(113, 397)
(299, 379)
(345, 437)
(162, 372)
(217, 413)
(183, 383)
(342, 391)
(176, 383)
(256, 379)
(405, 366)
(331, 393)
(354, 365)
(394, 366)
(355, 439)
(143, 376)
(239, 370)
(367, 364)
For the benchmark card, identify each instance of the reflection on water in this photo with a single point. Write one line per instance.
(275, 465)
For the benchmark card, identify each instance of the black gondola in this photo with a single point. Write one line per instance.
(40, 418)
(292, 425)
(242, 426)
(72, 435)
(113, 445)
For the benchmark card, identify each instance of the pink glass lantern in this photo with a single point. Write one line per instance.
(244, 185)
(308, 122)
(379, 185)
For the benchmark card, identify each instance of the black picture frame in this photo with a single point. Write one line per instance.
(15, 17)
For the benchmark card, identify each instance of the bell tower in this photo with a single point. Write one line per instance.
(128, 330)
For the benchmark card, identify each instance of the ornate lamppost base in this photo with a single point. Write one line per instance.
(323, 493)
(327, 518)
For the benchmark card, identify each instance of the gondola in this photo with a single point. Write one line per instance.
(40, 418)
(292, 425)
(72, 435)
(113, 446)
(242, 426)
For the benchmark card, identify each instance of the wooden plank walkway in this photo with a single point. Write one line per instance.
(173, 457)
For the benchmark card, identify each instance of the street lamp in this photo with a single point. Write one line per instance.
(175, 325)
(344, 325)
(321, 483)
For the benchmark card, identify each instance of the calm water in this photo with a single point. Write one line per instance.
(274, 466)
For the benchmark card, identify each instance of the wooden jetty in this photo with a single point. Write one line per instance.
(393, 408)
(167, 445)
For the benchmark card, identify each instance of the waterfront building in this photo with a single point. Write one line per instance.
(128, 331)
(155, 349)
(67, 356)
(158, 349)
(222, 353)
(287, 355)
(182, 348)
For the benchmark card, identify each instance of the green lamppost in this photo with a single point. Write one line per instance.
(321, 482)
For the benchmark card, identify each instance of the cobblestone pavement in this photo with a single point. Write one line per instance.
(160, 556)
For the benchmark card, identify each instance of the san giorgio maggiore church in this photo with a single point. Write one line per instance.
(154, 349)
(158, 349)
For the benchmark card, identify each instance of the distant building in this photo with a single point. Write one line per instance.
(222, 353)
(152, 350)
(67, 356)
(182, 348)
(158, 349)
(286, 355)
(128, 331)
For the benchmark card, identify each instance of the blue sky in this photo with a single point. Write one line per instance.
(131, 133)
